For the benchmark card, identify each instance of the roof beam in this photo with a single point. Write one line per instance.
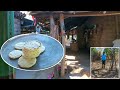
(74, 13)
(95, 13)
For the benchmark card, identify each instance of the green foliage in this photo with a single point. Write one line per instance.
(95, 54)
(108, 51)
(94, 51)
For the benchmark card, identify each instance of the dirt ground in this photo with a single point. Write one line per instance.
(98, 72)
(78, 66)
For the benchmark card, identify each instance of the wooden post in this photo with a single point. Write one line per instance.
(53, 29)
(119, 61)
(117, 29)
(52, 24)
(63, 43)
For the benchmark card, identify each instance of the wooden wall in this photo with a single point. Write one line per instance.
(107, 30)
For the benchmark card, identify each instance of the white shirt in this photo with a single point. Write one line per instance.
(38, 29)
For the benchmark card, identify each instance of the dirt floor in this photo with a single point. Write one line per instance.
(98, 72)
(78, 64)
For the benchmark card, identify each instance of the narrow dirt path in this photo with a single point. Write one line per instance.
(78, 64)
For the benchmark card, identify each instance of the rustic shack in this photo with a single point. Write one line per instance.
(102, 26)
(93, 28)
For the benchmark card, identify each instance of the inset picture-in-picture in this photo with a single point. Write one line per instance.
(104, 62)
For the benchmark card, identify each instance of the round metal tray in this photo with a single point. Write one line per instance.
(53, 54)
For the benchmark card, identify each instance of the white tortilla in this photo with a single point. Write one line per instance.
(15, 54)
(19, 45)
(26, 62)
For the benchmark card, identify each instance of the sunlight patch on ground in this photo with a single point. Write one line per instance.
(70, 57)
(79, 77)
(84, 77)
(71, 62)
(72, 65)
(76, 70)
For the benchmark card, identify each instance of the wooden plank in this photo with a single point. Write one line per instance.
(52, 24)
(57, 32)
(40, 12)
(92, 14)
(77, 13)
(53, 30)
(63, 43)
(117, 29)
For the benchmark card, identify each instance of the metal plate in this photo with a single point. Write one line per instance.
(53, 54)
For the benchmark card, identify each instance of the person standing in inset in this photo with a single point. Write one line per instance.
(103, 57)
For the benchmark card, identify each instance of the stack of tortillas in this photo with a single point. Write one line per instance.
(28, 56)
